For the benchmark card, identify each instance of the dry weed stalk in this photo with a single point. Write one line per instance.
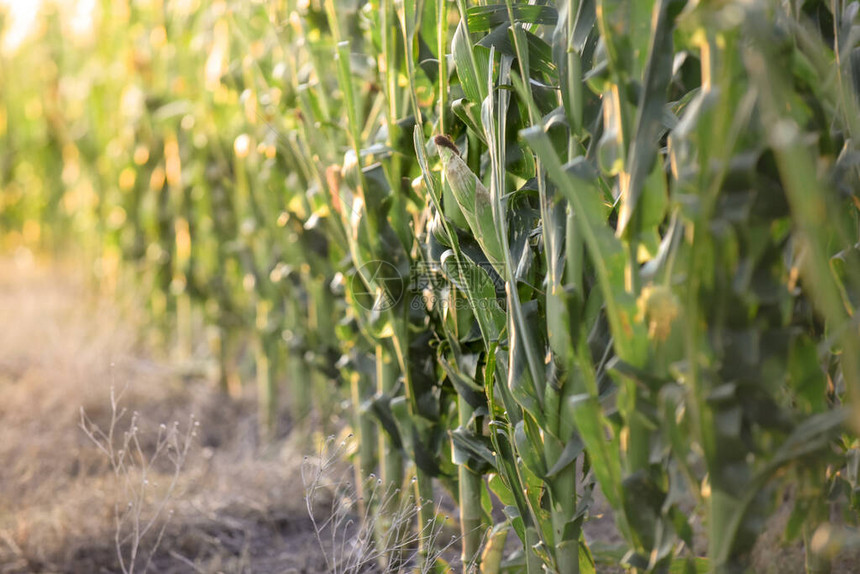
(371, 533)
(137, 530)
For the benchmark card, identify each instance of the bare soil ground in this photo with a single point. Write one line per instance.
(235, 507)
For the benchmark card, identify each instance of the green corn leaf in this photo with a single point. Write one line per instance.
(606, 252)
(467, 390)
(481, 293)
(501, 490)
(690, 566)
(583, 26)
(380, 407)
(540, 53)
(644, 145)
(470, 63)
(470, 114)
(530, 446)
(482, 18)
(592, 427)
(811, 436)
(472, 450)
(572, 449)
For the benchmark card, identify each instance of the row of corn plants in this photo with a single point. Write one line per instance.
(528, 251)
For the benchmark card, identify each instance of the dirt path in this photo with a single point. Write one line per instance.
(232, 508)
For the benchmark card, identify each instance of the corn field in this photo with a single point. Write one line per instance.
(527, 251)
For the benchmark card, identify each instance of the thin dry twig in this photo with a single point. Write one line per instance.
(135, 524)
(379, 533)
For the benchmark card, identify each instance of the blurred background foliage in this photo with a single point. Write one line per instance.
(525, 251)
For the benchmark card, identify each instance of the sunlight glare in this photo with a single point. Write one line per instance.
(22, 17)
(82, 20)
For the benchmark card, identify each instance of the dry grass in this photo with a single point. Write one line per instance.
(373, 527)
(234, 508)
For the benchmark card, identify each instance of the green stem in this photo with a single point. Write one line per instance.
(266, 368)
(390, 458)
(423, 480)
(442, 42)
(471, 513)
